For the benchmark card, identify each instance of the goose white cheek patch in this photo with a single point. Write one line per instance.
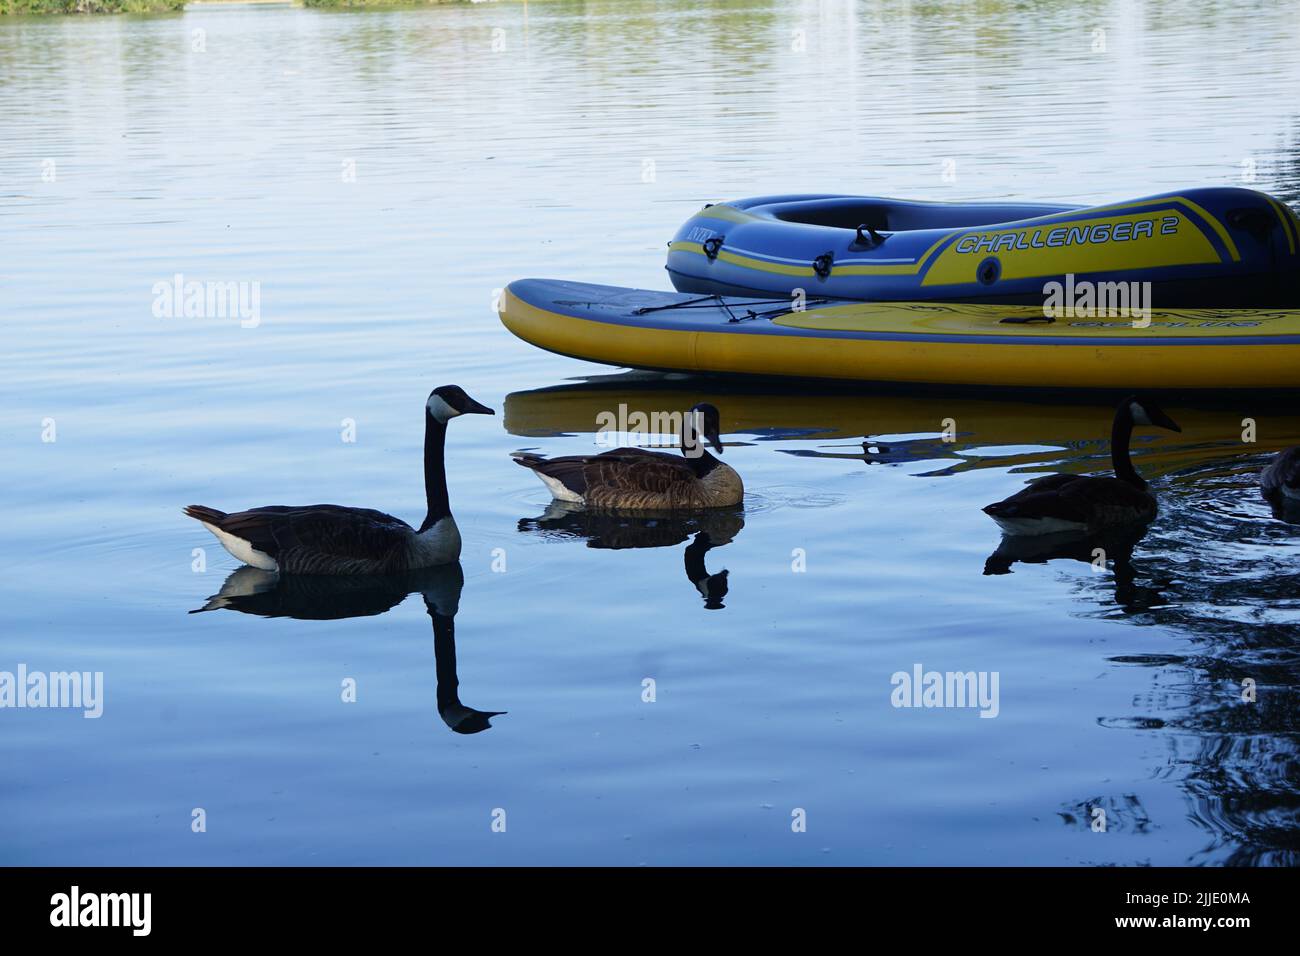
(439, 408)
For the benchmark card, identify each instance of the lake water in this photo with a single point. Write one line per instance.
(378, 175)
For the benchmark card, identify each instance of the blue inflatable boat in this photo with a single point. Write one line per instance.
(1218, 247)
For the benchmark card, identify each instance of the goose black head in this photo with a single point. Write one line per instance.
(448, 401)
(1144, 411)
(704, 418)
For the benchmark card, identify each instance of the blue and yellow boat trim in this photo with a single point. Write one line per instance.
(1223, 247)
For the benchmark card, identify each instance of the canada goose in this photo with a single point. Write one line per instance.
(1280, 481)
(1056, 503)
(316, 598)
(331, 539)
(634, 479)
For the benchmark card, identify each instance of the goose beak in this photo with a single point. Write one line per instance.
(715, 441)
(475, 408)
(1164, 421)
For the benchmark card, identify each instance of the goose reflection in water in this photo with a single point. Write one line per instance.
(331, 597)
(1114, 547)
(1215, 579)
(621, 530)
(1224, 699)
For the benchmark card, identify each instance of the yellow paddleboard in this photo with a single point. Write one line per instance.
(907, 342)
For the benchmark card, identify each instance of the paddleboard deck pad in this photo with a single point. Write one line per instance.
(906, 342)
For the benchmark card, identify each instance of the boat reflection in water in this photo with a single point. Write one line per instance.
(1217, 571)
(952, 432)
(335, 597)
(620, 530)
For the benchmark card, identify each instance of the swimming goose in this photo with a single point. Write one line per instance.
(331, 539)
(1057, 503)
(634, 479)
(1280, 481)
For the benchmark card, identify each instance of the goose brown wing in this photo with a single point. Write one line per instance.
(1077, 498)
(333, 530)
(626, 469)
(1098, 494)
(638, 470)
(1042, 498)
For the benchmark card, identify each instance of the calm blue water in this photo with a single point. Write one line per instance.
(379, 174)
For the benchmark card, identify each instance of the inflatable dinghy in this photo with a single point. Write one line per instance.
(1219, 247)
(906, 342)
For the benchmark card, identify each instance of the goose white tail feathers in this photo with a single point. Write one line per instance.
(239, 547)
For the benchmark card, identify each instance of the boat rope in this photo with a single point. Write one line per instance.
(688, 304)
(718, 302)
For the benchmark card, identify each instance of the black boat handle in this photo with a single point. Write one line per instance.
(711, 247)
(872, 238)
(822, 264)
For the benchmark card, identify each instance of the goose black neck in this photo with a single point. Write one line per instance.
(698, 456)
(1120, 433)
(703, 463)
(694, 557)
(435, 471)
(444, 661)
